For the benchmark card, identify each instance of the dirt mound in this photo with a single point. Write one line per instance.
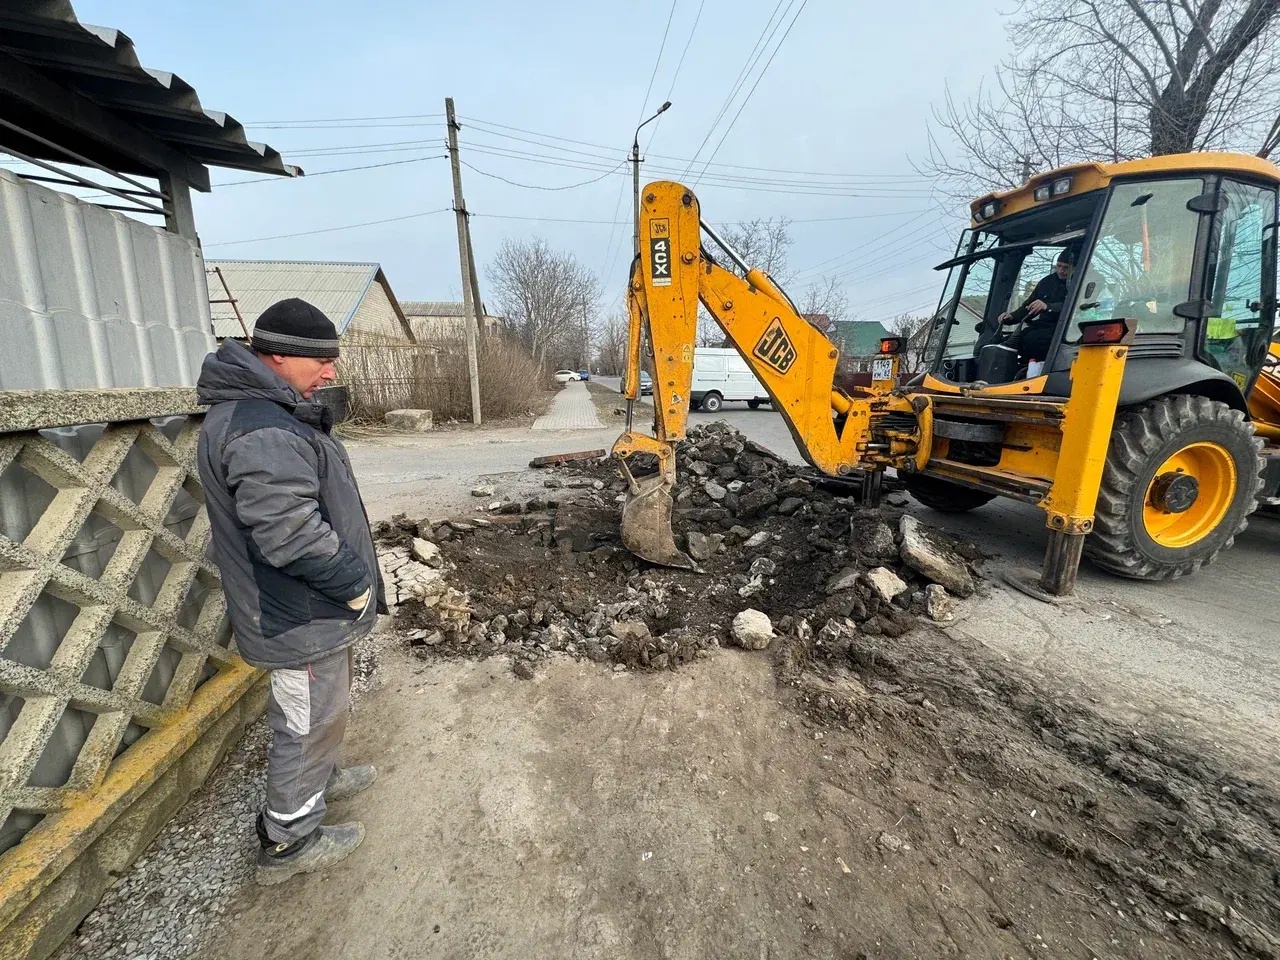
(998, 775)
(551, 575)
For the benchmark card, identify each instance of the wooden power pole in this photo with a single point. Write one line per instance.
(475, 285)
(469, 305)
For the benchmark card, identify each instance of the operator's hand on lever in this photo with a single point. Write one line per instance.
(1006, 317)
(1036, 306)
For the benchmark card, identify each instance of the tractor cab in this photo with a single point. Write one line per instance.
(1185, 245)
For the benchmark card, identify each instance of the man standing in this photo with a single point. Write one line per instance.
(291, 539)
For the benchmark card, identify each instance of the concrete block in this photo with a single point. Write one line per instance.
(419, 421)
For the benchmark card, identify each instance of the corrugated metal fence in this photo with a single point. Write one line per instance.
(92, 298)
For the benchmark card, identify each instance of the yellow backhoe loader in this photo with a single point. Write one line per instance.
(1129, 398)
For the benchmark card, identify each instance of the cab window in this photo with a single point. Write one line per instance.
(1140, 266)
(1236, 334)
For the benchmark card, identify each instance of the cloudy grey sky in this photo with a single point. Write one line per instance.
(550, 94)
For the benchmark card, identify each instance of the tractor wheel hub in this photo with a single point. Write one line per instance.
(1175, 492)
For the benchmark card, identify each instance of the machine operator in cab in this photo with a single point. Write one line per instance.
(1041, 311)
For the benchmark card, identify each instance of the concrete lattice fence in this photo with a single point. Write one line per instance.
(119, 686)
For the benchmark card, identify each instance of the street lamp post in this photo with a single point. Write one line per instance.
(635, 177)
(635, 221)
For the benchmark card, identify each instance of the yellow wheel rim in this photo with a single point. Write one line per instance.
(1214, 469)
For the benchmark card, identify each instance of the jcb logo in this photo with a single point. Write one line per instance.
(659, 228)
(775, 348)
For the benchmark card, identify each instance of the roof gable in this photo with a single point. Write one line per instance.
(336, 289)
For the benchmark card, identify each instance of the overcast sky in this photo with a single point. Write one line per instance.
(550, 94)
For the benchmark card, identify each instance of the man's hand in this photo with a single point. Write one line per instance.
(1036, 306)
(1006, 317)
(358, 603)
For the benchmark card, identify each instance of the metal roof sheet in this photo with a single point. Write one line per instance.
(335, 288)
(102, 65)
(859, 338)
(432, 308)
(439, 308)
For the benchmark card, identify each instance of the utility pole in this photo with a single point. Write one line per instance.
(469, 305)
(475, 284)
(1026, 167)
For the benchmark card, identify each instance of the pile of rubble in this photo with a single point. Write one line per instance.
(781, 551)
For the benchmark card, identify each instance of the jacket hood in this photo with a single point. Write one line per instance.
(235, 373)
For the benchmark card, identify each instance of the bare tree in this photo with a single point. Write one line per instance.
(827, 297)
(709, 332)
(544, 294)
(764, 243)
(913, 330)
(611, 345)
(1114, 80)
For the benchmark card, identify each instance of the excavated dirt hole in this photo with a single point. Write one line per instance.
(1122, 842)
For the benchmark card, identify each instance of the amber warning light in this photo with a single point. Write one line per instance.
(1105, 332)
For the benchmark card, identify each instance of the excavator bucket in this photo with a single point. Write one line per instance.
(646, 521)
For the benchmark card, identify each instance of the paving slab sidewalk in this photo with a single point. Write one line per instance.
(572, 409)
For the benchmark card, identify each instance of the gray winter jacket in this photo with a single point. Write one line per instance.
(290, 533)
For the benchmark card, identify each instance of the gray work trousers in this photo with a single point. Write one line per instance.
(307, 712)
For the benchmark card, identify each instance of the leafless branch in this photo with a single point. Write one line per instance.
(1113, 79)
(547, 297)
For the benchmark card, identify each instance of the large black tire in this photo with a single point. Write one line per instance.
(753, 404)
(712, 402)
(942, 495)
(1134, 535)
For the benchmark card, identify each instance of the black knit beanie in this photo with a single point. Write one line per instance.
(294, 328)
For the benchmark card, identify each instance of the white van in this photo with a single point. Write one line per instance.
(719, 375)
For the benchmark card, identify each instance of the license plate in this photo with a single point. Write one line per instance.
(882, 369)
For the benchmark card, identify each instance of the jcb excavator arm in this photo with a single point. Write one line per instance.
(835, 431)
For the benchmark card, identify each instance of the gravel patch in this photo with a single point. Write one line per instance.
(167, 905)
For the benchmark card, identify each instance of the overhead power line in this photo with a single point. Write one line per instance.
(899, 295)
(495, 129)
(534, 186)
(339, 148)
(759, 184)
(303, 123)
(751, 92)
(734, 223)
(907, 243)
(613, 150)
(656, 63)
(679, 64)
(325, 173)
(345, 226)
(591, 155)
(587, 160)
(884, 236)
(752, 58)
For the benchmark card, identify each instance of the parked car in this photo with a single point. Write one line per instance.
(584, 374)
(720, 374)
(564, 376)
(646, 384)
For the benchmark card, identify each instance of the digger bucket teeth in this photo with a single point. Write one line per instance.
(646, 522)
